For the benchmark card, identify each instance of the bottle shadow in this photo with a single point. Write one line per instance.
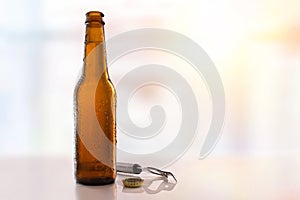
(107, 192)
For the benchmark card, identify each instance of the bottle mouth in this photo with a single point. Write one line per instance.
(94, 16)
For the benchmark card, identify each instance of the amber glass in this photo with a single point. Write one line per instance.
(94, 106)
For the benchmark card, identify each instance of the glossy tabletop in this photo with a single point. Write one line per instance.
(264, 177)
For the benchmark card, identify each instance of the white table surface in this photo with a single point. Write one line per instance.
(265, 177)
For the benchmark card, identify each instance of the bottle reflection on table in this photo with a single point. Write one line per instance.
(107, 192)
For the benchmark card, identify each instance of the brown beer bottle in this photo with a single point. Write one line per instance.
(94, 110)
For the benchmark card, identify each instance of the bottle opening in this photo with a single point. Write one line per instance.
(94, 16)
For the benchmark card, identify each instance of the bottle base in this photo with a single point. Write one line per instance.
(95, 181)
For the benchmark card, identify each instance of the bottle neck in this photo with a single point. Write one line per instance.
(95, 65)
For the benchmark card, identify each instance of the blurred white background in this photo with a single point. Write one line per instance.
(254, 44)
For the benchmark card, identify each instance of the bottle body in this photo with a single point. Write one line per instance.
(95, 113)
